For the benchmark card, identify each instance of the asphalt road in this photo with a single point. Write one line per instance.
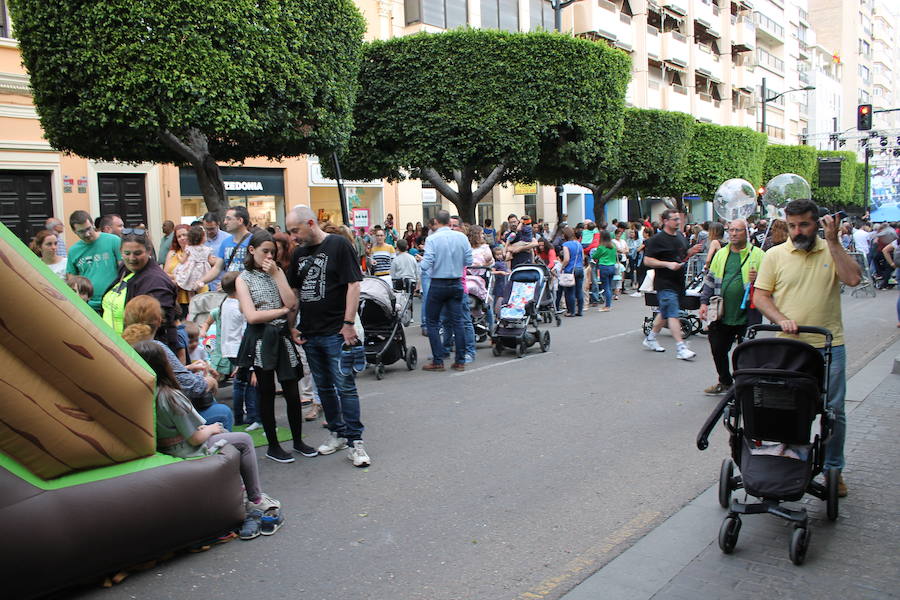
(513, 480)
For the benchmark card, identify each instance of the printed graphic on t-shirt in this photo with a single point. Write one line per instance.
(312, 289)
(239, 253)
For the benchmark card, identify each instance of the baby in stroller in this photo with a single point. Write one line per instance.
(478, 281)
(528, 288)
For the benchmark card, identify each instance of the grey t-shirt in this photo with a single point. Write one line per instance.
(175, 415)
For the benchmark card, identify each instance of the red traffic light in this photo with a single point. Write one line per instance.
(864, 117)
(864, 109)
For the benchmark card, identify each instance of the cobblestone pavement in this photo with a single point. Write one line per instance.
(858, 556)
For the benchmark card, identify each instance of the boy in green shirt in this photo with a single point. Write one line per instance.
(95, 255)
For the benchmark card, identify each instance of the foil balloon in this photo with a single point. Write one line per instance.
(735, 199)
(783, 188)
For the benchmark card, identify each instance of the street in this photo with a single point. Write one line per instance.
(517, 478)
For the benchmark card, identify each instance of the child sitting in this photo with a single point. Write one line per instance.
(194, 262)
(182, 432)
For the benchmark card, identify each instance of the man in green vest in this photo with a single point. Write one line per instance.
(731, 270)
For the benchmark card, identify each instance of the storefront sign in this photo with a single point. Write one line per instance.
(68, 182)
(82, 185)
(238, 181)
(429, 195)
(243, 186)
(521, 189)
(317, 179)
(360, 218)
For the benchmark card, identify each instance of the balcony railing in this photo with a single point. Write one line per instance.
(803, 76)
(769, 26)
(764, 59)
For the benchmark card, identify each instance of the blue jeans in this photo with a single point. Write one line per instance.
(447, 325)
(837, 390)
(575, 294)
(218, 413)
(445, 293)
(426, 284)
(607, 272)
(595, 283)
(244, 399)
(340, 400)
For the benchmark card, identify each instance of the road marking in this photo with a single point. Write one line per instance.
(499, 364)
(590, 557)
(612, 337)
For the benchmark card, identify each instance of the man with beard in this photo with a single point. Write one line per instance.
(799, 284)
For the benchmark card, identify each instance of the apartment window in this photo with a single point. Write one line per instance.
(5, 28)
(500, 14)
(446, 14)
(541, 16)
(865, 49)
(864, 73)
(864, 97)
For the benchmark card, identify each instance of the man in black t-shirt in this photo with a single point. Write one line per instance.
(667, 253)
(325, 275)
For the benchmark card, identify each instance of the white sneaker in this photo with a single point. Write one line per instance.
(253, 426)
(653, 345)
(635, 294)
(333, 444)
(357, 455)
(685, 353)
(266, 502)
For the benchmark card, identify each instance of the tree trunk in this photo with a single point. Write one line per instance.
(195, 150)
(463, 197)
(601, 197)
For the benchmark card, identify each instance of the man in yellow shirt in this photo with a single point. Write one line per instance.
(799, 284)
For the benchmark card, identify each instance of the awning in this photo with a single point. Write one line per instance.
(703, 22)
(678, 10)
(607, 35)
(623, 46)
(674, 66)
(713, 33)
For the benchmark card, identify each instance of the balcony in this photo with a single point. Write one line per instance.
(654, 94)
(766, 28)
(744, 35)
(703, 13)
(675, 48)
(707, 109)
(654, 44)
(624, 31)
(678, 6)
(769, 61)
(707, 63)
(677, 99)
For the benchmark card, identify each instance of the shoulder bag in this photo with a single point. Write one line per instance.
(716, 308)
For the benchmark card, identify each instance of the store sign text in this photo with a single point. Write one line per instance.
(241, 186)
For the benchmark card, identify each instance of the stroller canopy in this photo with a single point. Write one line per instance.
(377, 290)
(781, 354)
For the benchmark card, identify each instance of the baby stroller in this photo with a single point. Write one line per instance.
(689, 301)
(478, 281)
(528, 285)
(547, 305)
(384, 339)
(780, 387)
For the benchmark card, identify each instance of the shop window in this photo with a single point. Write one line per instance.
(485, 210)
(260, 190)
(531, 206)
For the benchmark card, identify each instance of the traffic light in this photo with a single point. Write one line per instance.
(864, 117)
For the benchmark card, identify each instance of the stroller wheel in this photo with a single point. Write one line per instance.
(647, 326)
(497, 348)
(687, 328)
(728, 533)
(799, 544)
(412, 357)
(520, 349)
(726, 484)
(558, 320)
(544, 341)
(831, 502)
(379, 371)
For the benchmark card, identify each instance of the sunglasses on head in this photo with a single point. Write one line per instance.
(134, 230)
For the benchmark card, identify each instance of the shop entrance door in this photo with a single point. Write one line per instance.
(25, 202)
(124, 194)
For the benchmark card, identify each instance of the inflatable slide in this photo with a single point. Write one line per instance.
(83, 491)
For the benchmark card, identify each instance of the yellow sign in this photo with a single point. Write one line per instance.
(520, 189)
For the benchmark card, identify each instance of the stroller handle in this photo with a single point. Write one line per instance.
(753, 329)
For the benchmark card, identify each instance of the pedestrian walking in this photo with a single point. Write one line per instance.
(572, 277)
(729, 273)
(804, 276)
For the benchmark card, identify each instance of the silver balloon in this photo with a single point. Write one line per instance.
(783, 188)
(735, 199)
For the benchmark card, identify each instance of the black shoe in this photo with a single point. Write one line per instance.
(278, 454)
(304, 450)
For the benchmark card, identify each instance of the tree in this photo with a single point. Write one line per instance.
(719, 153)
(859, 185)
(481, 107)
(192, 82)
(800, 160)
(652, 155)
(836, 197)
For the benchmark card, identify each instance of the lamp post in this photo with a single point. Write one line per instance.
(764, 100)
(558, 6)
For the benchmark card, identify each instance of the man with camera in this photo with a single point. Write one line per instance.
(799, 284)
(730, 271)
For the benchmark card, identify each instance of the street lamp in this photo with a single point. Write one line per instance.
(764, 100)
(558, 6)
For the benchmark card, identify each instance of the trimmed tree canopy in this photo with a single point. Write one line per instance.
(485, 106)
(842, 195)
(652, 156)
(192, 81)
(719, 153)
(800, 160)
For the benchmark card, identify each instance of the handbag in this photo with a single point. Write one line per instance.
(647, 284)
(567, 279)
(716, 308)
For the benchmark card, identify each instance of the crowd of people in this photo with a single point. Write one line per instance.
(290, 299)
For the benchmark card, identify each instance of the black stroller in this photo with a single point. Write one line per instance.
(528, 285)
(689, 302)
(479, 282)
(780, 387)
(384, 340)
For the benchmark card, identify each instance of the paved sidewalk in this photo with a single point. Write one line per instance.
(858, 556)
